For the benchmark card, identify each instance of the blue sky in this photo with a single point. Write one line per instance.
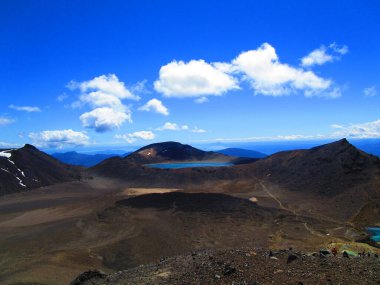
(98, 73)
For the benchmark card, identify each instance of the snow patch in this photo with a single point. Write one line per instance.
(6, 153)
(19, 170)
(20, 181)
(3, 169)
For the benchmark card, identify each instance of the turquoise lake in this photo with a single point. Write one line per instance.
(189, 164)
(375, 233)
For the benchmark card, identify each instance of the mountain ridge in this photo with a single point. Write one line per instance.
(27, 168)
(241, 152)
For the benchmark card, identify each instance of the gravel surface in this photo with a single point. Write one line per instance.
(247, 266)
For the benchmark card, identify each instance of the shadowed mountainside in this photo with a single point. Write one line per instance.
(327, 169)
(240, 152)
(323, 178)
(27, 168)
(171, 152)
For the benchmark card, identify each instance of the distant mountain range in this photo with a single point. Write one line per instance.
(82, 159)
(336, 170)
(179, 152)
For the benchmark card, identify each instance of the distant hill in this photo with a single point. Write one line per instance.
(133, 169)
(327, 169)
(27, 168)
(240, 152)
(172, 151)
(82, 159)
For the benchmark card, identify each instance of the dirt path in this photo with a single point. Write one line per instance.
(307, 227)
(276, 199)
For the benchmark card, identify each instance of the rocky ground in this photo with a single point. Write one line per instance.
(246, 266)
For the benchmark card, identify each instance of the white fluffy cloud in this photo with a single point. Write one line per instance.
(105, 119)
(201, 100)
(132, 137)
(363, 130)
(323, 55)
(194, 79)
(6, 144)
(268, 76)
(370, 91)
(59, 138)
(173, 127)
(260, 67)
(104, 94)
(5, 121)
(198, 130)
(155, 106)
(317, 57)
(342, 50)
(62, 97)
(176, 127)
(29, 109)
(108, 84)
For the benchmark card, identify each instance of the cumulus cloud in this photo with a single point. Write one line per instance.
(201, 100)
(268, 76)
(6, 144)
(108, 84)
(105, 119)
(370, 91)
(132, 137)
(140, 87)
(323, 55)
(155, 105)
(363, 130)
(29, 109)
(5, 121)
(62, 97)
(173, 127)
(194, 79)
(261, 68)
(339, 49)
(59, 138)
(198, 130)
(176, 127)
(290, 137)
(317, 57)
(353, 131)
(104, 94)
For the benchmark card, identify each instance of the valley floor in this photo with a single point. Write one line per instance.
(52, 234)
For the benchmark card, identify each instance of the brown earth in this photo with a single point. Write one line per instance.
(138, 215)
(51, 234)
(247, 266)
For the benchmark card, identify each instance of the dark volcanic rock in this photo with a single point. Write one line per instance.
(326, 170)
(190, 202)
(171, 151)
(27, 168)
(87, 276)
(250, 266)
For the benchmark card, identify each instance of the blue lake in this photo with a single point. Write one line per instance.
(375, 233)
(189, 164)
